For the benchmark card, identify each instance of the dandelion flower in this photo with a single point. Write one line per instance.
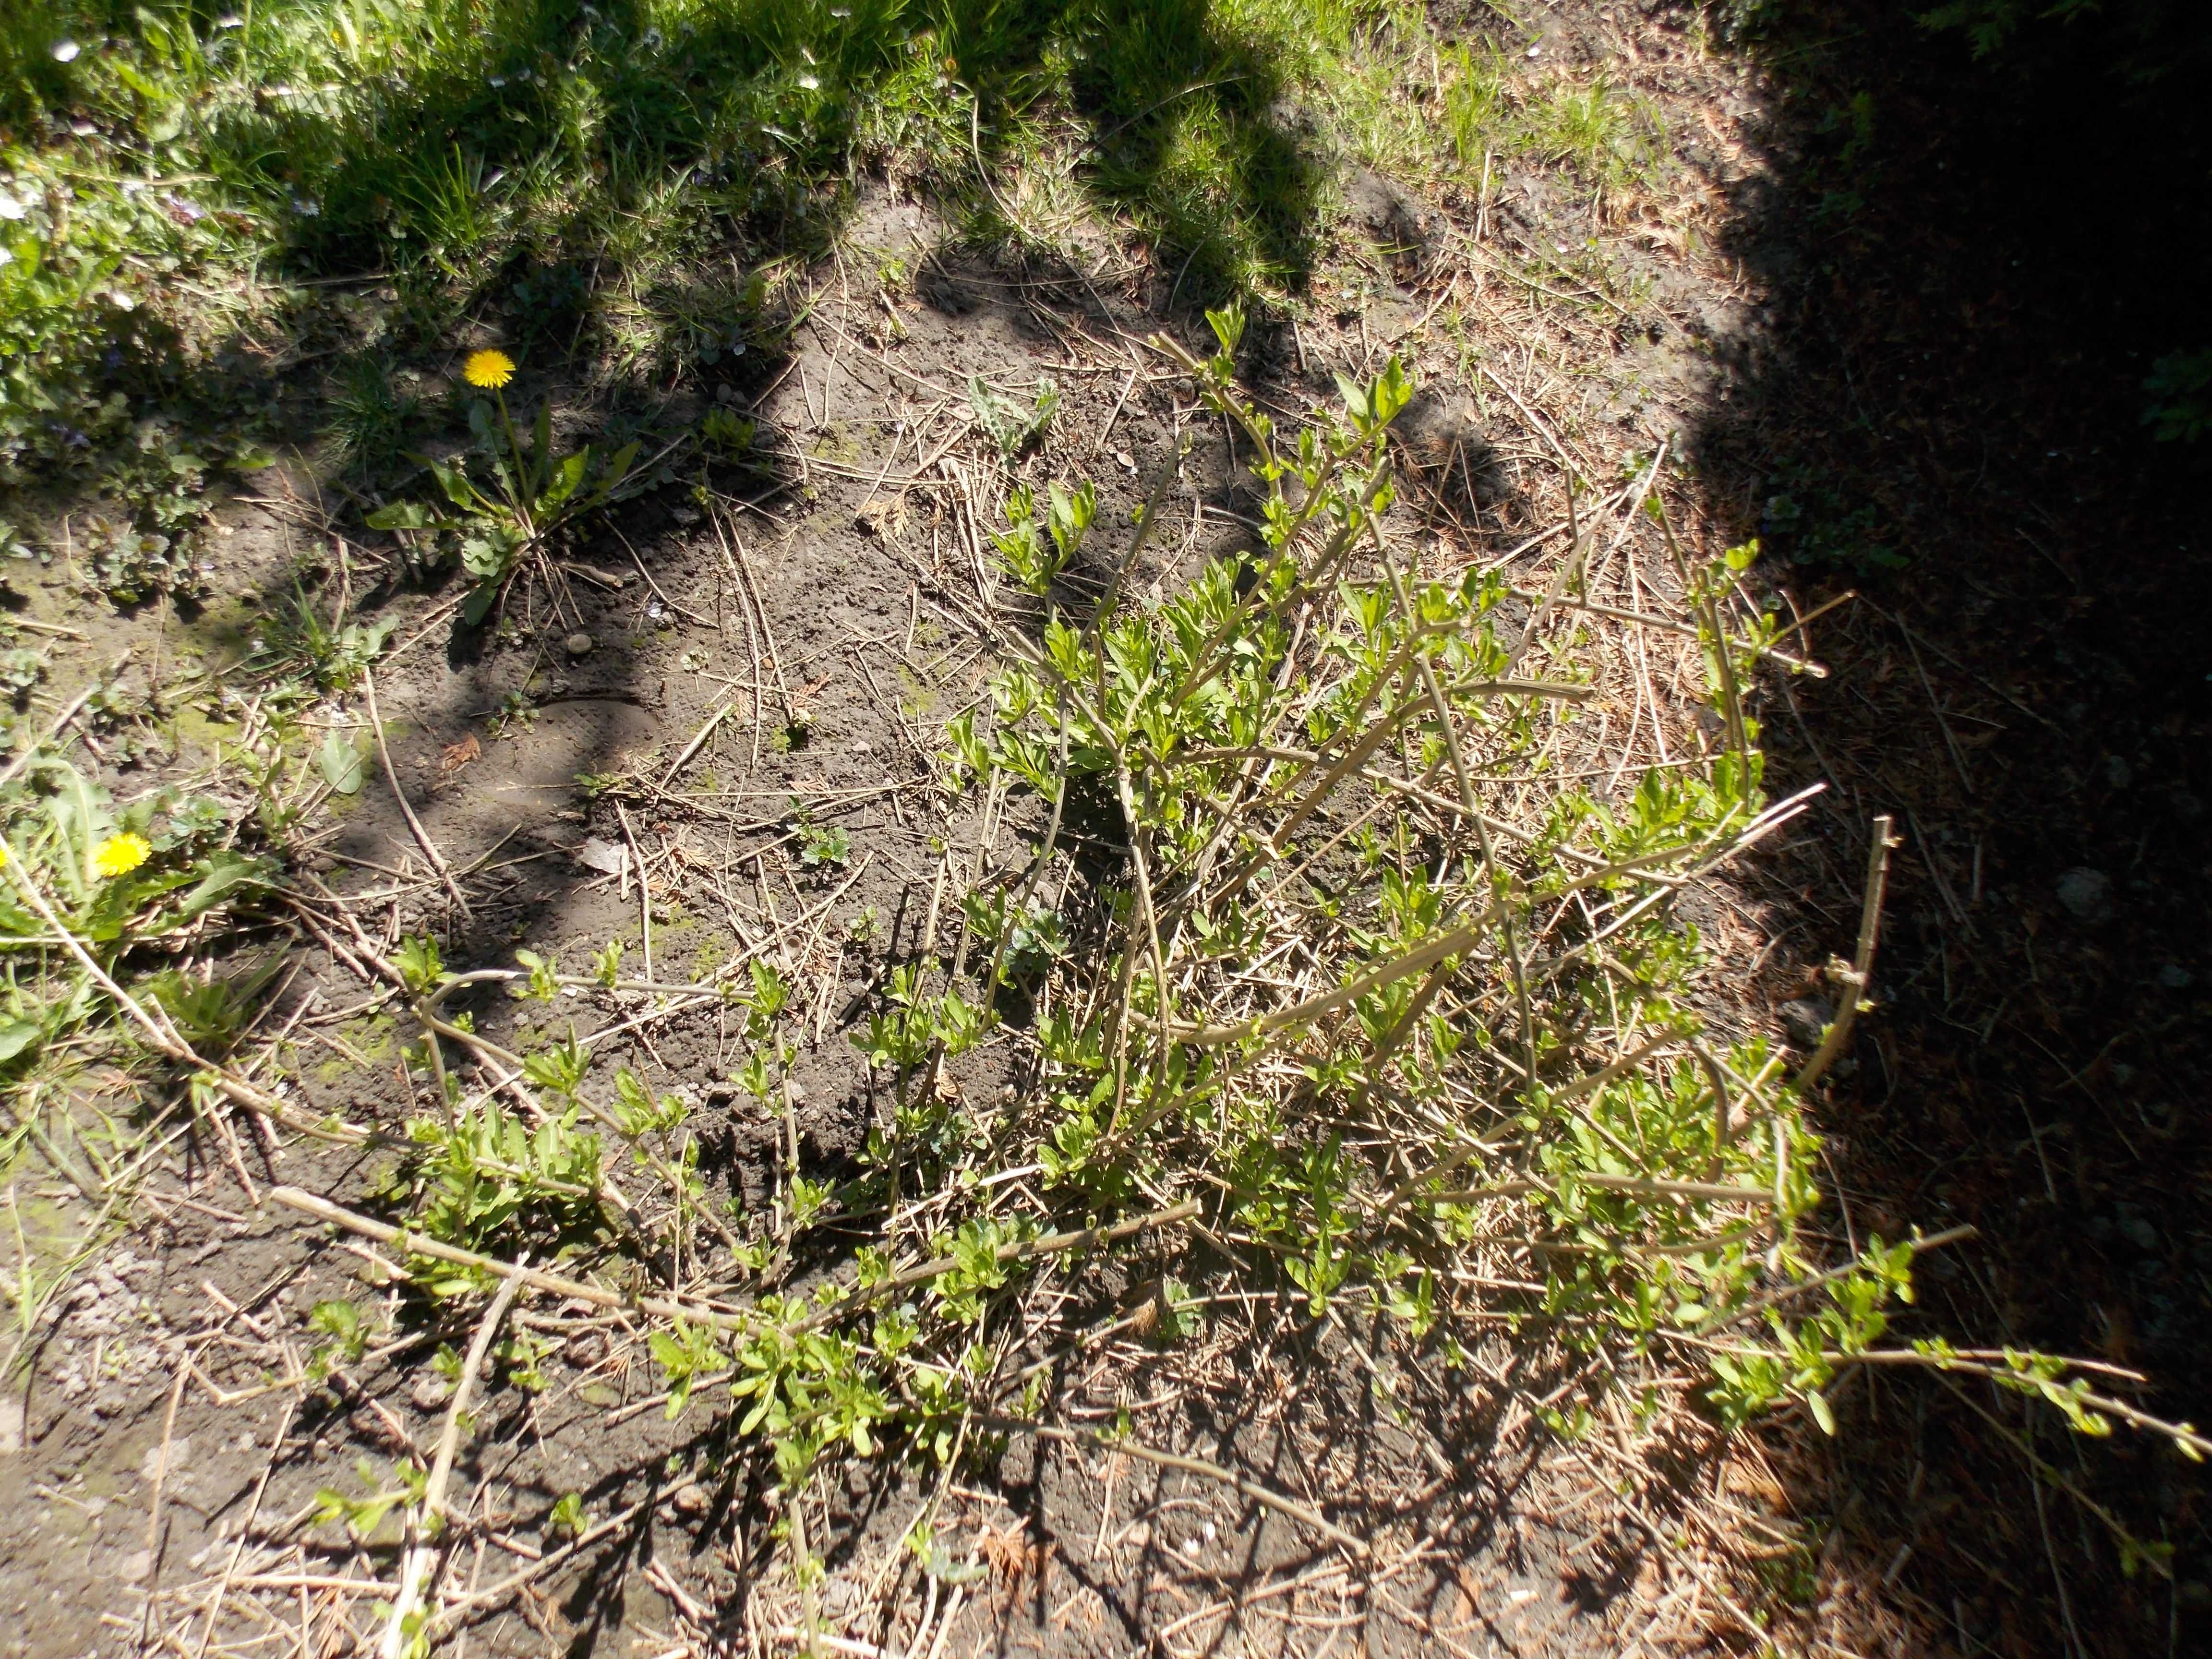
(488, 369)
(3, 854)
(119, 855)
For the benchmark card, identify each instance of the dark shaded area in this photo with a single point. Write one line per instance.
(1970, 268)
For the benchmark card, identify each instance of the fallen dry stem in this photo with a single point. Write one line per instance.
(413, 824)
(423, 1552)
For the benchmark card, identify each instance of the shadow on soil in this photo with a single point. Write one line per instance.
(1973, 267)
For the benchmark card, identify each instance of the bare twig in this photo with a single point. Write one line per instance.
(160, 1482)
(1854, 986)
(1267, 1496)
(392, 776)
(422, 1553)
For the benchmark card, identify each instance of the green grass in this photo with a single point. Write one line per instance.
(1608, 140)
(625, 189)
(468, 146)
(370, 411)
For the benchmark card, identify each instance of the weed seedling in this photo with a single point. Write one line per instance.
(534, 493)
(821, 847)
(1011, 427)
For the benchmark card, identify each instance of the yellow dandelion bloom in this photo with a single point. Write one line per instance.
(488, 369)
(4, 855)
(119, 855)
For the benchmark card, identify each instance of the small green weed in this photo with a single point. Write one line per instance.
(2180, 388)
(1810, 521)
(726, 433)
(20, 669)
(294, 642)
(533, 493)
(824, 845)
(1609, 140)
(1011, 427)
(1475, 102)
(131, 565)
(568, 1518)
(370, 412)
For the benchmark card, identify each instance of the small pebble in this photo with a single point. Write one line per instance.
(691, 1498)
(430, 1393)
(153, 1465)
(2087, 893)
(1806, 1021)
(579, 644)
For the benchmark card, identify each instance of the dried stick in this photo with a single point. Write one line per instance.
(1639, 1185)
(746, 615)
(1427, 955)
(1259, 1494)
(413, 1243)
(153, 1505)
(443, 1623)
(237, 1544)
(1667, 624)
(54, 728)
(1465, 1149)
(698, 742)
(744, 567)
(1051, 1244)
(2184, 1435)
(415, 1571)
(1701, 600)
(644, 892)
(1448, 728)
(392, 776)
(681, 611)
(1877, 881)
